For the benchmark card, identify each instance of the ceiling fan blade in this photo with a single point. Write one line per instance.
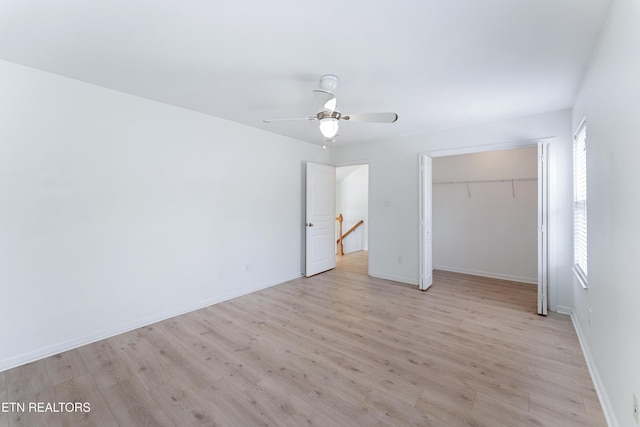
(326, 99)
(289, 120)
(371, 117)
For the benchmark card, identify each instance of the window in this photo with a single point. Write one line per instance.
(580, 204)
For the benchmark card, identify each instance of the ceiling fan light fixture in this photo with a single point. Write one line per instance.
(329, 127)
(328, 117)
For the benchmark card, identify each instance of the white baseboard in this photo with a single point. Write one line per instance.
(401, 279)
(512, 278)
(41, 353)
(607, 408)
(563, 309)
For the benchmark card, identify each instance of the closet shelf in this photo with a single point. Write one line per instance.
(480, 181)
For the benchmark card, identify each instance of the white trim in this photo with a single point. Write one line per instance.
(581, 280)
(605, 403)
(487, 147)
(351, 163)
(395, 278)
(522, 279)
(543, 227)
(148, 320)
(563, 309)
(580, 126)
(425, 222)
(552, 250)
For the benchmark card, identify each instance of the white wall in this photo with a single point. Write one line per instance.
(352, 200)
(492, 232)
(393, 181)
(116, 211)
(610, 100)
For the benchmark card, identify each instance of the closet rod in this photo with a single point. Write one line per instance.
(485, 181)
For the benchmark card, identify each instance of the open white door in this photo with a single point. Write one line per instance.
(425, 250)
(543, 227)
(321, 218)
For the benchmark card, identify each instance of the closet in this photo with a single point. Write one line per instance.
(485, 214)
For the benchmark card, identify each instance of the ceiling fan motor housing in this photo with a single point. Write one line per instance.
(328, 115)
(329, 82)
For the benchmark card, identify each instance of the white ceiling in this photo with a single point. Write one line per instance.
(438, 64)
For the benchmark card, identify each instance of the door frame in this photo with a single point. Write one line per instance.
(363, 163)
(425, 252)
(545, 295)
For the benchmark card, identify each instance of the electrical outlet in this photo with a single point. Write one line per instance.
(636, 416)
(400, 259)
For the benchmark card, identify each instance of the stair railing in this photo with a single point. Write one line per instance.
(340, 219)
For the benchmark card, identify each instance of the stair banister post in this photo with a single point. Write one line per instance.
(340, 246)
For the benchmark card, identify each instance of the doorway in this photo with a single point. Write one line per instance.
(492, 186)
(352, 202)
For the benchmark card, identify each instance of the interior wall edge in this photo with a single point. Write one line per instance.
(44, 352)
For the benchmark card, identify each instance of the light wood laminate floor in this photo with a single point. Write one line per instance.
(337, 349)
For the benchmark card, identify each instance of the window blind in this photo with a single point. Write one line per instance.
(580, 203)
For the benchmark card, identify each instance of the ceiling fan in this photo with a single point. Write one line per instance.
(329, 116)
